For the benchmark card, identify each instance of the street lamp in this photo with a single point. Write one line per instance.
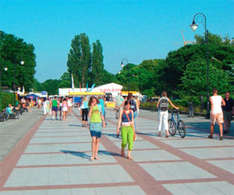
(194, 27)
(21, 63)
(124, 61)
(5, 69)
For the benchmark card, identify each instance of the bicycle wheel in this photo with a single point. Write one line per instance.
(172, 127)
(181, 129)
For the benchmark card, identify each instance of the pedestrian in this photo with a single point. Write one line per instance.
(118, 105)
(45, 107)
(60, 103)
(102, 104)
(64, 109)
(191, 109)
(69, 103)
(133, 106)
(216, 113)
(227, 112)
(126, 123)
(84, 111)
(54, 108)
(96, 123)
(162, 105)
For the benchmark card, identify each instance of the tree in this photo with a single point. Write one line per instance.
(51, 86)
(13, 50)
(194, 82)
(79, 59)
(97, 63)
(65, 80)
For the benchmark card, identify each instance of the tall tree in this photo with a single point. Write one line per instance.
(79, 59)
(97, 63)
(13, 50)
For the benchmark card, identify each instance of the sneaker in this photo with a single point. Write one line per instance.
(221, 138)
(210, 136)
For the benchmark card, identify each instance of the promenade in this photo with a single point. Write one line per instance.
(52, 158)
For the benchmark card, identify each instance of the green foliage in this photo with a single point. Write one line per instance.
(97, 63)
(5, 99)
(65, 80)
(51, 86)
(79, 59)
(183, 73)
(13, 50)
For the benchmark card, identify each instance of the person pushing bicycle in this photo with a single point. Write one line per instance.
(162, 105)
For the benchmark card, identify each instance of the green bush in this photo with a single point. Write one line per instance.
(179, 103)
(5, 99)
(149, 105)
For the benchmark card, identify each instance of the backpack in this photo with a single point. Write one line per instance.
(164, 103)
(133, 105)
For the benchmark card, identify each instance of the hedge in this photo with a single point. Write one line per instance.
(5, 99)
(184, 109)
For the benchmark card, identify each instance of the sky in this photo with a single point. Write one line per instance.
(133, 29)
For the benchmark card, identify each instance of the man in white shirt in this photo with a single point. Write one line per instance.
(216, 113)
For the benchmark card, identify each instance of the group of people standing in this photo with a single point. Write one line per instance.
(93, 110)
(221, 112)
(58, 108)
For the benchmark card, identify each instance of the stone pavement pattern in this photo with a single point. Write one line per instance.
(11, 131)
(54, 159)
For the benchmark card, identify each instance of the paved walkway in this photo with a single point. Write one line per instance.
(12, 130)
(53, 158)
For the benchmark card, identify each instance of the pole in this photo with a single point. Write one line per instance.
(207, 69)
(207, 63)
(0, 89)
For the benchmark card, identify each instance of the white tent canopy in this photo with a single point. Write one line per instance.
(109, 88)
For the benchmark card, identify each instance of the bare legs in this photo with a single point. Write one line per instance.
(212, 130)
(129, 156)
(64, 115)
(95, 147)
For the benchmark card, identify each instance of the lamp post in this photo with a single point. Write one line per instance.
(194, 27)
(124, 61)
(14, 87)
(4, 69)
(22, 63)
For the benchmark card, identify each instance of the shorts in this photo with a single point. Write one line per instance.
(227, 116)
(64, 109)
(55, 109)
(216, 118)
(95, 129)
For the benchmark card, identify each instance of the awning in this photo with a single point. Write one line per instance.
(85, 93)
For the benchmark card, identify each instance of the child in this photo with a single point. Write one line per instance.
(96, 122)
(126, 122)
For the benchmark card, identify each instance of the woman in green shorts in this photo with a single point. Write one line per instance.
(95, 126)
(126, 122)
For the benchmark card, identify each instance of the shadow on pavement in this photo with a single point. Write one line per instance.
(110, 134)
(73, 125)
(76, 153)
(108, 153)
(147, 134)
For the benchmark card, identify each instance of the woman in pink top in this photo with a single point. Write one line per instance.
(64, 108)
(216, 113)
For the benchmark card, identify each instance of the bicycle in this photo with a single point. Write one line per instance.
(176, 125)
